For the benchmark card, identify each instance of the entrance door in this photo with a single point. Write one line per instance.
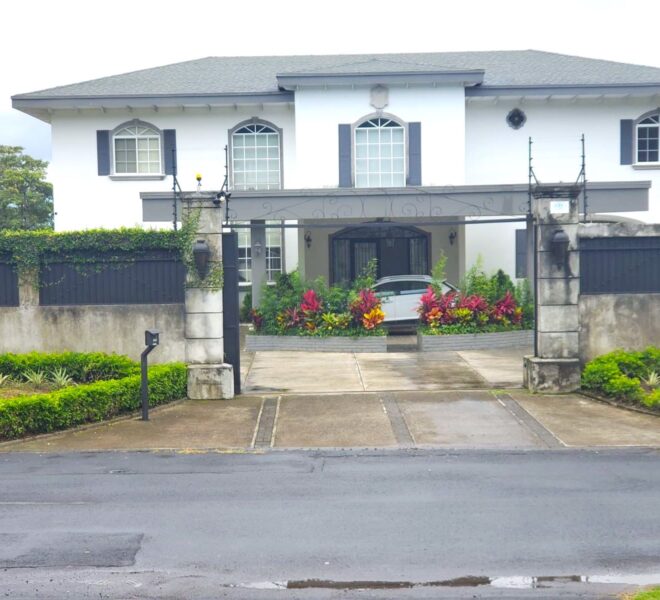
(394, 257)
(400, 250)
(362, 252)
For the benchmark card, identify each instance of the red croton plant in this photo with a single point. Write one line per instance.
(452, 308)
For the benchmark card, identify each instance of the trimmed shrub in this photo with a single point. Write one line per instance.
(68, 407)
(621, 374)
(82, 367)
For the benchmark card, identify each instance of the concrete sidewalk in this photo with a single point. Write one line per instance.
(447, 419)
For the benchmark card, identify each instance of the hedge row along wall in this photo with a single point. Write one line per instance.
(86, 403)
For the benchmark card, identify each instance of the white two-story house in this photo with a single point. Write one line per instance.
(335, 160)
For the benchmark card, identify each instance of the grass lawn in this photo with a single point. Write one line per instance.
(15, 389)
(652, 594)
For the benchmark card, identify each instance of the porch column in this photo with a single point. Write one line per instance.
(258, 253)
(209, 378)
(556, 366)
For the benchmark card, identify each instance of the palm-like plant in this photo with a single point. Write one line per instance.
(4, 379)
(652, 379)
(60, 377)
(35, 377)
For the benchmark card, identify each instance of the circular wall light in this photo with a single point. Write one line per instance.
(516, 118)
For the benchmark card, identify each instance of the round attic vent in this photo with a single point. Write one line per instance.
(516, 118)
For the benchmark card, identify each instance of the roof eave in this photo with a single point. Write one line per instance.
(293, 81)
(615, 89)
(37, 104)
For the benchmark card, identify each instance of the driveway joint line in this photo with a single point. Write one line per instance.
(359, 370)
(546, 436)
(249, 369)
(256, 425)
(277, 416)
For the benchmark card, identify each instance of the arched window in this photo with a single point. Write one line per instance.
(137, 149)
(648, 135)
(380, 159)
(256, 160)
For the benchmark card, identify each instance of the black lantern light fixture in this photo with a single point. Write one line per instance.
(308, 239)
(201, 255)
(559, 244)
(452, 236)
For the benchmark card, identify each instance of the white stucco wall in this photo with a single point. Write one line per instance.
(440, 110)
(462, 143)
(84, 199)
(496, 153)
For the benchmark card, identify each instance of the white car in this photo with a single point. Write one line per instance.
(400, 295)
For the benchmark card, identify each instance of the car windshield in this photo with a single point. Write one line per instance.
(415, 286)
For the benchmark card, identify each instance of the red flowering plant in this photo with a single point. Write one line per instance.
(312, 309)
(289, 318)
(257, 319)
(365, 302)
(429, 305)
(455, 313)
(506, 311)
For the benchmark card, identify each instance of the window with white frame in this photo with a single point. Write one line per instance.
(648, 135)
(274, 252)
(256, 160)
(244, 255)
(136, 149)
(380, 154)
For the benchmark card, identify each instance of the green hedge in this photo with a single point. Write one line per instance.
(82, 367)
(622, 375)
(71, 406)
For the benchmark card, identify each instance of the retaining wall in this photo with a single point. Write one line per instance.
(475, 341)
(254, 343)
(94, 328)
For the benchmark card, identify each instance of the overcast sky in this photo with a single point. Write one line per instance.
(56, 42)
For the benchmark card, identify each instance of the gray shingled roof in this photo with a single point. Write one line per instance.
(257, 74)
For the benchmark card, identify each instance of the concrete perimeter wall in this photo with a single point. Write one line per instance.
(94, 328)
(611, 321)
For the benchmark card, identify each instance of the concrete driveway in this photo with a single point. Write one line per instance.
(320, 372)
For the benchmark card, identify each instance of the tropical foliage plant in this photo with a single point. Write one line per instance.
(625, 376)
(294, 307)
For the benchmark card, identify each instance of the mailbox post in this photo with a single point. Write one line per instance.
(151, 340)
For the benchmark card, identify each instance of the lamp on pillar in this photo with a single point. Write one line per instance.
(201, 255)
(258, 248)
(559, 244)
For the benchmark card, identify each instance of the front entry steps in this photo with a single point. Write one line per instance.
(400, 342)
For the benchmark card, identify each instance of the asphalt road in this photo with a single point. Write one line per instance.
(395, 524)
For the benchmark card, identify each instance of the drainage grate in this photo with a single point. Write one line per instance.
(398, 423)
(266, 426)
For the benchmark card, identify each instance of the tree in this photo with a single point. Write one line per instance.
(26, 198)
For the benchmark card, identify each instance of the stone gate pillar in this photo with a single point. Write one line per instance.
(555, 368)
(209, 377)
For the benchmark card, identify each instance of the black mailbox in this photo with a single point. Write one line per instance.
(151, 338)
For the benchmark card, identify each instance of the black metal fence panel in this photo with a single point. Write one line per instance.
(8, 284)
(156, 278)
(620, 265)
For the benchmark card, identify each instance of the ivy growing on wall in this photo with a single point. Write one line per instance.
(93, 249)
(187, 236)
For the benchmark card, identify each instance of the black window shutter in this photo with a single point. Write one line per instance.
(414, 154)
(345, 170)
(626, 142)
(169, 150)
(103, 151)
